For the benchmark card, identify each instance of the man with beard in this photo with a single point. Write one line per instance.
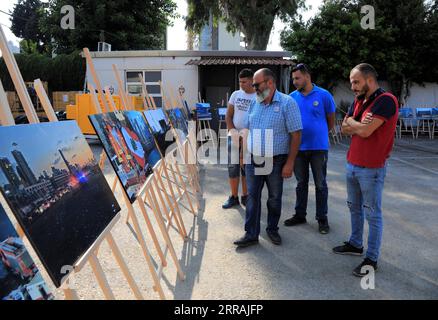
(371, 121)
(274, 124)
(317, 108)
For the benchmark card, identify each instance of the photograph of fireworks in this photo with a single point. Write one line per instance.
(130, 147)
(56, 190)
(20, 278)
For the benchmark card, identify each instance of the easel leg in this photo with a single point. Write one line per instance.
(172, 205)
(131, 214)
(151, 231)
(163, 205)
(146, 254)
(165, 234)
(193, 188)
(70, 294)
(173, 198)
(178, 187)
(182, 182)
(101, 278)
(119, 258)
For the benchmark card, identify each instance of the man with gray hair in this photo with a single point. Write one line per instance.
(274, 123)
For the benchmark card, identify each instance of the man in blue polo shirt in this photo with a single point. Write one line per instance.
(274, 124)
(318, 116)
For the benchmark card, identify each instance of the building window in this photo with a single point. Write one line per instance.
(151, 78)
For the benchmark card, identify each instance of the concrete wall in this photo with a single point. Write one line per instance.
(174, 72)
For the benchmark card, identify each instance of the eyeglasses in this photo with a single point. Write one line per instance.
(256, 85)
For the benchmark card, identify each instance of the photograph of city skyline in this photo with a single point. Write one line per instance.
(56, 190)
(130, 147)
(160, 126)
(178, 121)
(20, 278)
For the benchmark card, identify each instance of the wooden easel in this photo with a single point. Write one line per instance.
(90, 256)
(147, 190)
(157, 178)
(6, 117)
(186, 150)
(181, 185)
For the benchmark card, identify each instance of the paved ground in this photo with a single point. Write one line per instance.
(304, 266)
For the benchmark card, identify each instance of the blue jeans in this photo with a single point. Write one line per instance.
(274, 182)
(317, 160)
(365, 188)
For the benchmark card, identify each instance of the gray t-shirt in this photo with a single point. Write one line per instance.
(241, 102)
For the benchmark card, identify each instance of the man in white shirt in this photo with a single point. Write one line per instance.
(236, 118)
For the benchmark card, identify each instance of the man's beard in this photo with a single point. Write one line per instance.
(303, 87)
(261, 96)
(361, 94)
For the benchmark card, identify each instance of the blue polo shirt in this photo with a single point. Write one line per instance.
(315, 107)
(270, 125)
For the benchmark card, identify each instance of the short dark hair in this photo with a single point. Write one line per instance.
(268, 73)
(367, 70)
(301, 67)
(246, 73)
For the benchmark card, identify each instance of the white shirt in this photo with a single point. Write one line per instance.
(241, 102)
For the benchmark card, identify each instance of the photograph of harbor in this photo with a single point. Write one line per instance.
(20, 278)
(56, 190)
(130, 147)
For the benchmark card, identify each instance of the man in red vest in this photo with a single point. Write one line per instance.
(371, 121)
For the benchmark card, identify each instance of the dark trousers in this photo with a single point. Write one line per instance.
(274, 182)
(317, 160)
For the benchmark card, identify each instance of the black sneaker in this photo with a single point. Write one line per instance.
(294, 221)
(348, 249)
(245, 241)
(275, 237)
(360, 271)
(231, 202)
(244, 200)
(324, 227)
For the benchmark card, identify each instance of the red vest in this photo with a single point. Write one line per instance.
(372, 152)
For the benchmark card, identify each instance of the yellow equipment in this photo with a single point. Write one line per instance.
(84, 107)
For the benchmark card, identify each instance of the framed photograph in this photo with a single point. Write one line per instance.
(56, 190)
(130, 147)
(160, 126)
(179, 122)
(20, 278)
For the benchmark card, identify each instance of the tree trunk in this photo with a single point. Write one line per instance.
(257, 38)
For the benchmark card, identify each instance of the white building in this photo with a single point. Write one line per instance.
(212, 74)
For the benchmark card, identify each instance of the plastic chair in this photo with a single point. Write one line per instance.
(405, 122)
(434, 122)
(425, 121)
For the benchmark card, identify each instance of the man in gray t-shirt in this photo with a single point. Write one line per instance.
(236, 118)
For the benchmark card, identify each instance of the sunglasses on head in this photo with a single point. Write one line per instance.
(300, 67)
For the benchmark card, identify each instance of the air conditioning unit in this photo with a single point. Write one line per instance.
(103, 46)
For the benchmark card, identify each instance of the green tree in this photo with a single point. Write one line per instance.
(126, 25)
(25, 23)
(333, 41)
(254, 18)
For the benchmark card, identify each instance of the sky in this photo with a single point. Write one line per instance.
(177, 35)
(64, 136)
